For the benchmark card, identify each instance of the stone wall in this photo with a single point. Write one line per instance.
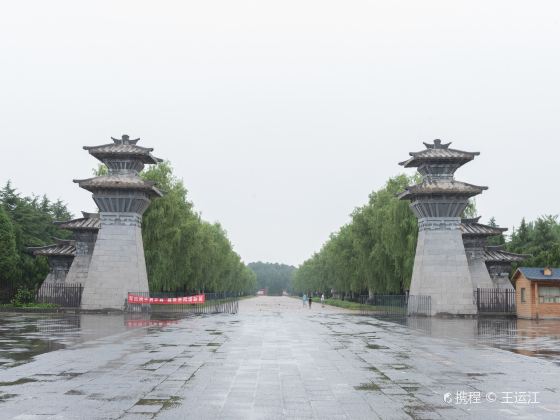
(117, 265)
(441, 269)
(85, 244)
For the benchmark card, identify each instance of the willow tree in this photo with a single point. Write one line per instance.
(182, 251)
(373, 253)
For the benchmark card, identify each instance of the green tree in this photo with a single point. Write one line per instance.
(8, 251)
(184, 252)
(32, 220)
(374, 253)
(498, 239)
(274, 277)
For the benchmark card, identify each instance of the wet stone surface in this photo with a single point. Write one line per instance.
(274, 360)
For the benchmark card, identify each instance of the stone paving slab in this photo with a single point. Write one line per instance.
(275, 360)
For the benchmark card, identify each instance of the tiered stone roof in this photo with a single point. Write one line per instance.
(438, 153)
(496, 254)
(116, 182)
(62, 247)
(90, 221)
(123, 147)
(441, 186)
(437, 165)
(472, 227)
(125, 159)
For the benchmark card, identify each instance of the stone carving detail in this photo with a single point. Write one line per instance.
(121, 219)
(439, 223)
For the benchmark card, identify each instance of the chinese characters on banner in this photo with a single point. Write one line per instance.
(187, 300)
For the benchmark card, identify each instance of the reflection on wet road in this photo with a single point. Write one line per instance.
(24, 336)
(274, 359)
(528, 337)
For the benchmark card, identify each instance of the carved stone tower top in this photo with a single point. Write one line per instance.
(439, 195)
(121, 190)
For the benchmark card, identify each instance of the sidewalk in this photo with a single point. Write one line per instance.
(276, 360)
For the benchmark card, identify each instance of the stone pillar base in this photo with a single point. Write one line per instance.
(479, 275)
(117, 264)
(502, 282)
(79, 270)
(441, 270)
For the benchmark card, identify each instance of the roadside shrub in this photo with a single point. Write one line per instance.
(23, 297)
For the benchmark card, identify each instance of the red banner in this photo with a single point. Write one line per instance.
(187, 300)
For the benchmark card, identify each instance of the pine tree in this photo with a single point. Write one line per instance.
(498, 239)
(8, 251)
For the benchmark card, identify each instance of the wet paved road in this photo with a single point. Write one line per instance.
(276, 359)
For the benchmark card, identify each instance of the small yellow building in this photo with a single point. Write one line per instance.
(537, 293)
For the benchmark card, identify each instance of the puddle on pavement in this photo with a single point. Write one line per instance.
(25, 336)
(527, 337)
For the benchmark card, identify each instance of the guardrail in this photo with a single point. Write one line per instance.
(397, 305)
(213, 303)
(496, 301)
(66, 295)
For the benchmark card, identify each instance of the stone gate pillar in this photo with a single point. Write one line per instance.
(441, 269)
(84, 233)
(117, 263)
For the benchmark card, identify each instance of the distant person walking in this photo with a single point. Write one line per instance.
(310, 301)
(323, 300)
(304, 299)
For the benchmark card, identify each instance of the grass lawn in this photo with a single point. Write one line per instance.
(358, 306)
(30, 306)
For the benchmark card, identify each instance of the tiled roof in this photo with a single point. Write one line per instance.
(61, 248)
(437, 186)
(117, 150)
(537, 273)
(471, 219)
(91, 221)
(118, 182)
(438, 152)
(497, 254)
(469, 227)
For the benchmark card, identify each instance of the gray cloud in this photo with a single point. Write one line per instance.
(281, 117)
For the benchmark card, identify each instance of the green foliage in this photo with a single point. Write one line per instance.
(541, 239)
(32, 305)
(182, 251)
(346, 304)
(8, 250)
(374, 252)
(32, 220)
(274, 277)
(100, 170)
(23, 297)
(495, 240)
(470, 211)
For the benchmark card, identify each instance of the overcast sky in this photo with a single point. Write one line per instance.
(282, 116)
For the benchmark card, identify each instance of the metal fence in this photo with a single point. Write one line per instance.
(214, 303)
(399, 305)
(495, 301)
(67, 295)
(7, 291)
(419, 305)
